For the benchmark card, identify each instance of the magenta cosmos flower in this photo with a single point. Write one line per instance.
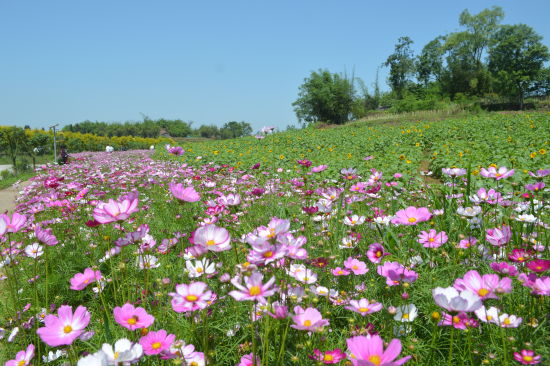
(499, 236)
(23, 358)
(411, 216)
(364, 307)
(213, 238)
(376, 253)
(81, 280)
(527, 357)
(248, 360)
(187, 194)
(13, 224)
(253, 288)
(63, 329)
(369, 351)
(115, 210)
(191, 297)
(132, 318)
(328, 357)
(498, 174)
(432, 239)
(309, 319)
(45, 236)
(175, 150)
(156, 342)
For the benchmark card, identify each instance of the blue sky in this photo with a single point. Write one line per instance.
(204, 61)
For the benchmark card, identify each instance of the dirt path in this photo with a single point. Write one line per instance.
(8, 195)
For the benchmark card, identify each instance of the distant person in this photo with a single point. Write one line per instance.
(64, 156)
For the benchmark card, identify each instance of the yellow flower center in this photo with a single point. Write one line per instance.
(191, 298)
(355, 267)
(411, 220)
(133, 320)
(156, 345)
(482, 292)
(489, 317)
(307, 323)
(375, 359)
(21, 363)
(405, 316)
(527, 358)
(271, 233)
(498, 175)
(67, 329)
(378, 254)
(210, 242)
(507, 321)
(521, 259)
(456, 319)
(328, 357)
(268, 254)
(116, 355)
(199, 270)
(255, 291)
(363, 310)
(431, 240)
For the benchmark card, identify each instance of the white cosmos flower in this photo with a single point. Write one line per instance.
(406, 313)
(469, 211)
(308, 276)
(148, 261)
(354, 220)
(526, 218)
(96, 359)
(34, 250)
(200, 267)
(124, 351)
(452, 300)
(51, 356)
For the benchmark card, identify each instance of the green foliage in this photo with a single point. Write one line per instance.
(325, 97)
(516, 58)
(401, 64)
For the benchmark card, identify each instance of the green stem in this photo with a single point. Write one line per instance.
(282, 349)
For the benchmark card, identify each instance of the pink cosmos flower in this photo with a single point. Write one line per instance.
(320, 168)
(13, 224)
(467, 243)
(63, 329)
(156, 342)
(499, 174)
(132, 318)
(187, 194)
(527, 357)
(490, 196)
(213, 238)
(536, 187)
(541, 173)
(309, 319)
(396, 273)
(275, 228)
(411, 216)
(115, 210)
(45, 236)
(460, 321)
(541, 286)
(23, 358)
(369, 350)
(504, 268)
(81, 280)
(248, 360)
(454, 172)
(519, 255)
(364, 307)
(253, 288)
(328, 357)
(376, 253)
(356, 266)
(432, 239)
(175, 150)
(484, 286)
(191, 297)
(499, 236)
(340, 272)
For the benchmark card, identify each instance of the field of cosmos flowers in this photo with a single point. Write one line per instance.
(371, 245)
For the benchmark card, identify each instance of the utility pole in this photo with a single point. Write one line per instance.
(54, 143)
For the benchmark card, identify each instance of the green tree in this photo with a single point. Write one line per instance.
(14, 141)
(429, 64)
(516, 59)
(324, 97)
(235, 129)
(401, 64)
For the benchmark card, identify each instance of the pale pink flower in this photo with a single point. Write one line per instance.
(499, 174)
(23, 358)
(309, 319)
(484, 286)
(213, 238)
(13, 224)
(364, 307)
(116, 210)
(499, 236)
(187, 194)
(432, 239)
(191, 297)
(81, 280)
(411, 216)
(253, 288)
(63, 329)
(45, 236)
(132, 318)
(356, 266)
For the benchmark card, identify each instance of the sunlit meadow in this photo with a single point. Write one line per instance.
(418, 244)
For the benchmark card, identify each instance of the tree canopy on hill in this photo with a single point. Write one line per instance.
(169, 128)
(483, 64)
